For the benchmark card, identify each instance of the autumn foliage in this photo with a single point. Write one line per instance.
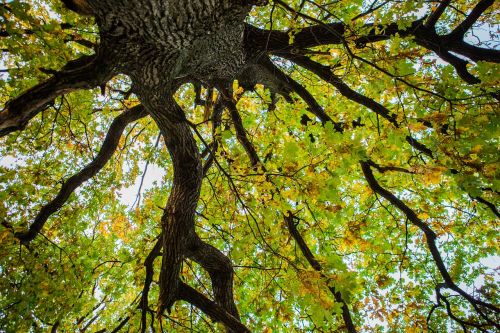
(349, 174)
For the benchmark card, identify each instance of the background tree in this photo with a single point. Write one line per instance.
(325, 165)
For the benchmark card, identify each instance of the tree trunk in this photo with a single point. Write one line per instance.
(161, 44)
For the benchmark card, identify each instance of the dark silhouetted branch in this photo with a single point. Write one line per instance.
(148, 264)
(241, 134)
(325, 73)
(209, 307)
(291, 222)
(436, 14)
(431, 237)
(459, 32)
(83, 73)
(490, 205)
(294, 86)
(220, 269)
(107, 149)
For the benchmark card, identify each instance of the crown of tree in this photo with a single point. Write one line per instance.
(249, 165)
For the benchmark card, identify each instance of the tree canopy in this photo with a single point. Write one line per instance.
(248, 165)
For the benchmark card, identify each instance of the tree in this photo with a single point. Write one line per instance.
(327, 165)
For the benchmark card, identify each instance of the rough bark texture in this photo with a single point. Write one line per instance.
(176, 42)
(161, 44)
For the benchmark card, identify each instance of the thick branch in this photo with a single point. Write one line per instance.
(429, 39)
(178, 217)
(81, 7)
(436, 14)
(424, 33)
(148, 264)
(83, 73)
(490, 205)
(325, 73)
(419, 146)
(179, 239)
(107, 149)
(212, 309)
(383, 169)
(122, 323)
(459, 32)
(273, 40)
(294, 86)
(475, 53)
(265, 72)
(221, 273)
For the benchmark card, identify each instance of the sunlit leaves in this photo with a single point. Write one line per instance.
(89, 259)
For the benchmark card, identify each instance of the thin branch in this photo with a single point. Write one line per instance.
(107, 149)
(241, 134)
(431, 237)
(370, 10)
(83, 73)
(290, 220)
(138, 197)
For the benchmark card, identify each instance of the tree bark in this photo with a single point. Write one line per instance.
(82, 73)
(163, 43)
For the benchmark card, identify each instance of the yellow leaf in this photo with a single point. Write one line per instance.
(417, 127)
(438, 117)
(423, 215)
(476, 149)
(237, 90)
(4, 235)
(433, 175)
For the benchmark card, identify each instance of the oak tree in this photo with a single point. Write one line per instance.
(320, 166)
